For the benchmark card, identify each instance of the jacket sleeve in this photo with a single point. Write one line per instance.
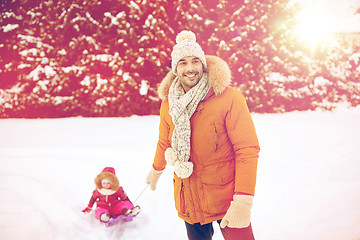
(241, 132)
(92, 199)
(163, 142)
(121, 194)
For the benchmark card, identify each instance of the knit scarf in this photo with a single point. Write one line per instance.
(181, 107)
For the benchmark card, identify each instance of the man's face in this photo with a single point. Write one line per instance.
(189, 71)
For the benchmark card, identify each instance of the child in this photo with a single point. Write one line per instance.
(110, 198)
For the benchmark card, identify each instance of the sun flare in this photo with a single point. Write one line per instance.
(314, 27)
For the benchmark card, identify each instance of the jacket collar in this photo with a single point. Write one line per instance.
(106, 192)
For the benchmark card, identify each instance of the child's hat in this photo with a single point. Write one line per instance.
(109, 169)
(186, 46)
(105, 180)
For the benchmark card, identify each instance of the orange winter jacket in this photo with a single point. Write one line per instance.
(224, 148)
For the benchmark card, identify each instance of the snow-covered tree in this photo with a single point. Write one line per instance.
(106, 57)
(91, 58)
(254, 38)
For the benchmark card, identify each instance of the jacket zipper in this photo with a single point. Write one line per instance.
(107, 200)
(182, 200)
(216, 138)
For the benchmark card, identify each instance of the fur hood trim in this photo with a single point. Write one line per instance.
(106, 192)
(110, 176)
(219, 77)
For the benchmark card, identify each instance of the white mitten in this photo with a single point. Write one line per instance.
(153, 177)
(238, 214)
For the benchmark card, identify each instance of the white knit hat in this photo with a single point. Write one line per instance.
(105, 181)
(186, 46)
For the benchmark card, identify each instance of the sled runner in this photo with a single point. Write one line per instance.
(126, 218)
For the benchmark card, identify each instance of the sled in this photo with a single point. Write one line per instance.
(119, 218)
(126, 218)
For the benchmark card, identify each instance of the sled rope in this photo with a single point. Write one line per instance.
(141, 193)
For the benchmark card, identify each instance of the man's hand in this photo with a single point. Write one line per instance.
(238, 214)
(153, 178)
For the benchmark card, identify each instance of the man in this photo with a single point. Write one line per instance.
(207, 134)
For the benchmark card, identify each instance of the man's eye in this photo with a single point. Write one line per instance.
(196, 61)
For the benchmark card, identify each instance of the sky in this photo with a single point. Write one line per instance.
(331, 13)
(319, 19)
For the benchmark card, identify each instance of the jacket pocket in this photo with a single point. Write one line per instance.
(218, 190)
(179, 195)
(213, 137)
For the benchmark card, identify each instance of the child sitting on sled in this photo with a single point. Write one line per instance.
(110, 198)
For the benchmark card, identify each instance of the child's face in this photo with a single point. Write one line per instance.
(106, 185)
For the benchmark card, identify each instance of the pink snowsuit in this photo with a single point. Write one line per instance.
(114, 204)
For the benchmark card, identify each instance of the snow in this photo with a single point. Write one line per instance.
(9, 27)
(308, 177)
(47, 70)
(36, 72)
(144, 88)
(73, 68)
(86, 81)
(102, 57)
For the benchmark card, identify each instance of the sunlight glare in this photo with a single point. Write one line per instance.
(314, 27)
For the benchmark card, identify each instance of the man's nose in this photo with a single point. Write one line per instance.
(190, 68)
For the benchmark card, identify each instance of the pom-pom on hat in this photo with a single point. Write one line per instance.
(109, 169)
(186, 46)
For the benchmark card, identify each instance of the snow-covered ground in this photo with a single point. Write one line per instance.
(308, 177)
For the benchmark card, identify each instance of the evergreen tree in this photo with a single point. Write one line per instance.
(88, 58)
(106, 57)
(253, 37)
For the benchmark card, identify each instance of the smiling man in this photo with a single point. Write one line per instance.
(207, 134)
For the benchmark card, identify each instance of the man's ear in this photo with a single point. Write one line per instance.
(204, 69)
